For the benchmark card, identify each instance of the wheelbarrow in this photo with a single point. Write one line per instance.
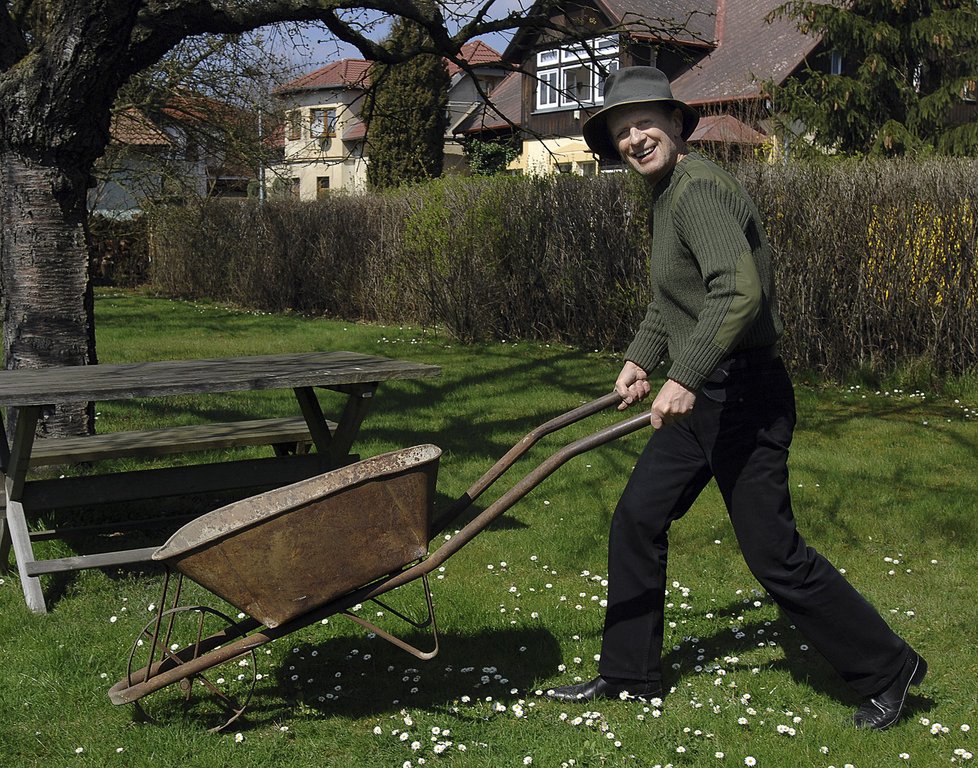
(296, 555)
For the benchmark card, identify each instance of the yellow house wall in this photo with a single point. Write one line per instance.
(541, 157)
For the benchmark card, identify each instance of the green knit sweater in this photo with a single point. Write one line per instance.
(712, 281)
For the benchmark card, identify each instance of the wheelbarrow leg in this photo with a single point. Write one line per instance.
(429, 621)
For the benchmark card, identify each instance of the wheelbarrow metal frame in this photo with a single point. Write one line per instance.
(250, 633)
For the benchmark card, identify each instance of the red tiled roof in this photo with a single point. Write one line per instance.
(345, 73)
(357, 130)
(355, 73)
(131, 127)
(474, 52)
(726, 129)
(749, 51)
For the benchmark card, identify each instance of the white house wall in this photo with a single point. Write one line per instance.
(310, 159)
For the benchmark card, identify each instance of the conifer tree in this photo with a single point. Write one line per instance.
(907, 65)
(406, 111)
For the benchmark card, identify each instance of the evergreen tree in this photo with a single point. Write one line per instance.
(406, 111)
(907, 64)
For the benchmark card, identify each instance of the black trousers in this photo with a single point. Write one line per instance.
(738, 432)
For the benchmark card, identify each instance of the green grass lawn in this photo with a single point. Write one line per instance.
(884, 485)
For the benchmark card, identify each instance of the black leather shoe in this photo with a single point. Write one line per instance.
(884, 709)
(606, 688)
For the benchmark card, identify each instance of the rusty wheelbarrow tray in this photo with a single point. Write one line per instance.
(294, 556)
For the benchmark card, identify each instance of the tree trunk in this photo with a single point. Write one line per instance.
(47, 301)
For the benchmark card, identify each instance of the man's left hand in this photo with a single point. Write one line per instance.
(672, 403)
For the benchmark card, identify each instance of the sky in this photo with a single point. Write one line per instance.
(311, 46)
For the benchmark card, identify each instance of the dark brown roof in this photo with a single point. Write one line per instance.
(691, 22)
(749, 51)
(502, 113)
(679, 20)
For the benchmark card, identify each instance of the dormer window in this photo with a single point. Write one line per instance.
(573, 75)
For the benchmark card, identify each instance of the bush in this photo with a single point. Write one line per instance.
(876, 263)
(120, 252)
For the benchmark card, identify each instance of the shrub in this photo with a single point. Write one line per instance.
(876, 261)
(120, 252)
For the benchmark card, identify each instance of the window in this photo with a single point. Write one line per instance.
(322, 122)
(293, 121)
(610, 66)
(572, 75)
(548, 58)
(835, 63)
(969, 91)
(547, 94)
(294, 187)
(577, 84)
(322, 187)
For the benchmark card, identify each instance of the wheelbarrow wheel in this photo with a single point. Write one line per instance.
(215, 696)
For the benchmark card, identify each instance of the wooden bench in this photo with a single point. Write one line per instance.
(289, 435)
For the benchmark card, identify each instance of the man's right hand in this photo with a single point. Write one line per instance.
(632, 385)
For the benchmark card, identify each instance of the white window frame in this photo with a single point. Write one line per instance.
(556, 65)
(548, 89)
(548, 58)
(835, 63)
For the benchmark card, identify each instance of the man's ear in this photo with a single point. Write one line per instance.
(678, 120)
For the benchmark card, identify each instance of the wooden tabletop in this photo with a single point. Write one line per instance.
(47, 386)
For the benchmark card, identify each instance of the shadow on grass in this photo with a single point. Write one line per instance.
(366, 676)
(806, 666)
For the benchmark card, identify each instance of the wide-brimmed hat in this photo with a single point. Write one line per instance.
(632, 85)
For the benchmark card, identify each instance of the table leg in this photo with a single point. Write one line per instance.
(313, 413)
(357, 406)
(16, 519)
(335, 446)
(4, 467)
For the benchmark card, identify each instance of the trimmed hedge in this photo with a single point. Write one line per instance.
(876, 260)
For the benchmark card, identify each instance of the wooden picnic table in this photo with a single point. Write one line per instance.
(27, 393)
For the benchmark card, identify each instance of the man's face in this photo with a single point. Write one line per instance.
(648, 137)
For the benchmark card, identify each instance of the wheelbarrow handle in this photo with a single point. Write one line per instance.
(514, 453)
(514, 494)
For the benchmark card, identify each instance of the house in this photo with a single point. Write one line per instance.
(183, 148)
(716, 53)
(325, 136)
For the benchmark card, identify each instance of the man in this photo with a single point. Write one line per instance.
(726, 411)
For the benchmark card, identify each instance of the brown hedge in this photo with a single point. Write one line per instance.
(876, 260)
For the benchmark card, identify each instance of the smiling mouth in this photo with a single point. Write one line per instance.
(643, 154)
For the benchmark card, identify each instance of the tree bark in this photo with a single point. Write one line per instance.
(47, 298)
